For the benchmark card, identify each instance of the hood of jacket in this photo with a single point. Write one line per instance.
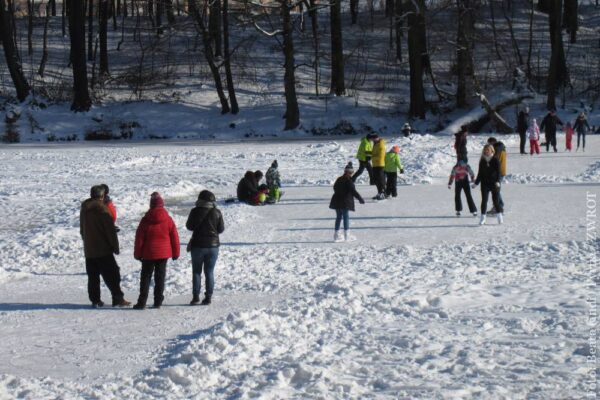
(95, 205)
(156, 215)
(205, 204)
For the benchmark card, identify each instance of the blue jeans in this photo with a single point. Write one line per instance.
(204, 257)
(339, 214)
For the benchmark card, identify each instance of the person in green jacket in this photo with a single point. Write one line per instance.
(391, 168)
(364, 157)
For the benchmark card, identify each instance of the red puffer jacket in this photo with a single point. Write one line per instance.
(156, 237)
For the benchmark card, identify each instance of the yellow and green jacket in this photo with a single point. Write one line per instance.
(378, 153)
(364, 149)
(392, 162)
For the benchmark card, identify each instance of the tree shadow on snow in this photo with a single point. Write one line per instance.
(472, 225)
(41, 306)
(381, 217)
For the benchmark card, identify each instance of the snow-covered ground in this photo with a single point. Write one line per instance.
(423, 305)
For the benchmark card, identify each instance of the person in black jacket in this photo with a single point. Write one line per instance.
(489, 177)
(460, 144)
(549, 127)
(206, 222)
(342, 202)
(248, 186)
(522, 125)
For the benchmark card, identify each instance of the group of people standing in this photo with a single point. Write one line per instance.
(529, 130)
(156, 240)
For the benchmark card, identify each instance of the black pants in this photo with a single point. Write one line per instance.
(459, 186)
(159, 268)
(550, 140)
(109, 270)
(362, 166)
(391, 183)
(485, 193)
(522, 141)
(379, 178)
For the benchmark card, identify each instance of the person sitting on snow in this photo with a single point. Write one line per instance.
(260, 197)
(406, 130)
(274, 183)
(248, 186)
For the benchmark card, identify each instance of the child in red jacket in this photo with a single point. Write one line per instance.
(156, 240)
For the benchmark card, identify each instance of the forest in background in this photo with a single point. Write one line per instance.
(405, 58)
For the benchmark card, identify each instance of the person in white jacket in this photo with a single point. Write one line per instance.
(533, 133)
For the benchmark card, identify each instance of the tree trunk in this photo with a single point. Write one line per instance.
(64, 17)
(469, 11)
(45, 43)
(464, 45)
(160, 8)
(11, 52)
(214, 26)
(398, 26)
(103, 35)
(230, 89)
(314, 22)
(337, 50)
(90, 49)
(557, 73)
(30, 27)
(81, 96)
(530, 48)
(113, 14)
(292, 113)
(570, 19)
(52, 4)
(354, 11)
(416, 50)
(169, 10)
(513, 39)
(208, 53)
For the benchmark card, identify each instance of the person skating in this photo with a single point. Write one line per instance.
(273, 182)
(342, 202)
(248, 186)
(569, 132)
(548, 125)
(206, 223)
(100, 243)
(393, 165)
(489, 177)
(580, 127)
(364, 155)
(460, 175)
(378, 167)
(460, 144)
(156, 240)
(522, 125)
(533, 133)
(500, 154)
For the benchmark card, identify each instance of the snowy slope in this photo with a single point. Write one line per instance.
(423, 305)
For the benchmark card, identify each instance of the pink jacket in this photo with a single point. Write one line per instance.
(533, 132)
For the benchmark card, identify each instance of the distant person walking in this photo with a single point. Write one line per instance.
(549, 124)
(569, 132)
(342, 202)
(500, 154)
(460, 175)
(206, 223)
(460, 144)
(580, 126)
(489, 177)
(522, 125)
(156, 240)
(533, 133)
(100, 243)
(364, 155)
(379, 166)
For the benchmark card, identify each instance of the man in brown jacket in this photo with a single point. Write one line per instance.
(100, 242)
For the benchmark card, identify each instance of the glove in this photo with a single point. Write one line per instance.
(361, 201)
(175, 258)
(401, 170)
(497, 184)
(449, 186)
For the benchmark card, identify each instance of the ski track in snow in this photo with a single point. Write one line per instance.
(423, 305)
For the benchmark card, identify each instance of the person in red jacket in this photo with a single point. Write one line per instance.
(156, 240)
(109, 203)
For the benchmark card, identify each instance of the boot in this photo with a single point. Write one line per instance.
(482, 219)
(206, 300)
(458, 213)
(348, 237)
(195, 300)
(121, 303)
(337, 237)
(99, 304)
(139, 306)
(500, 219)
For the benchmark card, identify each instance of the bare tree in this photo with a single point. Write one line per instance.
(570, 19)
(464, 47)
(337, 49)
(292, 112)
(90, 44)
(81, 95)
(417, 56)
(314, 22)
(30, 11)
(557, 72)
(354, 11)
(214, 26)
(11, 53)
(44, 59)
(103, 36)
(230, 89)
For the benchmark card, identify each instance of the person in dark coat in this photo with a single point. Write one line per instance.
(206, 223)
(248, 186)
(100, 243)
(548, 125)
(342, 202)
(489, 177)
(156, 240)
(580, 127)
(460, 144)
(522, 125)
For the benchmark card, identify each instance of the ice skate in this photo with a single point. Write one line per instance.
(348, 237)
(458, 213)
(500, 218)
(337, 237)
(482, 219)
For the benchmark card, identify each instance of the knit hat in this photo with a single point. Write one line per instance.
(156, 201)
(349, 168)
(207, 195)
(274, 164)
(396, 149)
